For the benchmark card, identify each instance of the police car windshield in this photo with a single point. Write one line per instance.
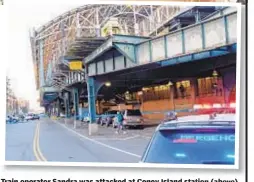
(199, 146)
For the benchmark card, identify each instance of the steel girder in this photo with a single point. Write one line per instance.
(58, 34)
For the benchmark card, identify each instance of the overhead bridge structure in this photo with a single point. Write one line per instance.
(141, 43)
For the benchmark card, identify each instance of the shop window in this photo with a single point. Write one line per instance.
(156, 93)
(183, 89)
(130, 96)
(210, 86)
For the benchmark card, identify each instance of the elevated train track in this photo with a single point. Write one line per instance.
(77, 33)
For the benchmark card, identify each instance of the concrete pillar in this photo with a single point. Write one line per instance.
(91, 90)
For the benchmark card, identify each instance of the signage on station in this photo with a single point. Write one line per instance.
(75, 65)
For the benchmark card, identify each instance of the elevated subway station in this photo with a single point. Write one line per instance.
(145, 67)
(147, 73)
(155, 89)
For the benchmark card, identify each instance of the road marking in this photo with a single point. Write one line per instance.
(147, 137)
(112, 139)
(97, 142)
(128, 138)
(36, 144)
(116, 139)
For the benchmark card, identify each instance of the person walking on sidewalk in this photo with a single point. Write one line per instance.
(120, 125)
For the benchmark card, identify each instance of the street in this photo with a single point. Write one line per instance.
(48, 140)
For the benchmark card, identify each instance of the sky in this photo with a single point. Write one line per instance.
(23, 16)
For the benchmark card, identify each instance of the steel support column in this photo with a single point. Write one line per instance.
(75, 105)
(91, 99)
(58, 107)
(67, 104)
(93, 87)
(98, 28)
(197, 16)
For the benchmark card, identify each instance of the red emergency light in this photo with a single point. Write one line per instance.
(214, 108)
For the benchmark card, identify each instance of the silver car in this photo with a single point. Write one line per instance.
(131, 117)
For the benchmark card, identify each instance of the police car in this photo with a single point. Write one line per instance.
(195, 139)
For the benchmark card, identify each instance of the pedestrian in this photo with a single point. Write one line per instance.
(120, 125)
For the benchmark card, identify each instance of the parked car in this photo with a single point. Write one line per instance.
(62, 115)
(12, 119)
(35, 117)
(29, 117)
(107, 117)
(131, 117)
(8, 119)
(87, 119)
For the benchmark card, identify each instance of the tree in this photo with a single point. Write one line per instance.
(24, 109)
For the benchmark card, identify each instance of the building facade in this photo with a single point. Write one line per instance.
(14, 105)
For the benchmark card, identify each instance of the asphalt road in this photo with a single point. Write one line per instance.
(48, 140)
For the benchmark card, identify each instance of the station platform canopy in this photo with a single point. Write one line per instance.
(84, 46)
(121, 42)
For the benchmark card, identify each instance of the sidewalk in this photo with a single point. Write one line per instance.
(103, 131)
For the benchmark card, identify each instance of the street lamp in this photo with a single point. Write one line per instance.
(170, 83)
(140, 93)
(215, 73)
(108, 84)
